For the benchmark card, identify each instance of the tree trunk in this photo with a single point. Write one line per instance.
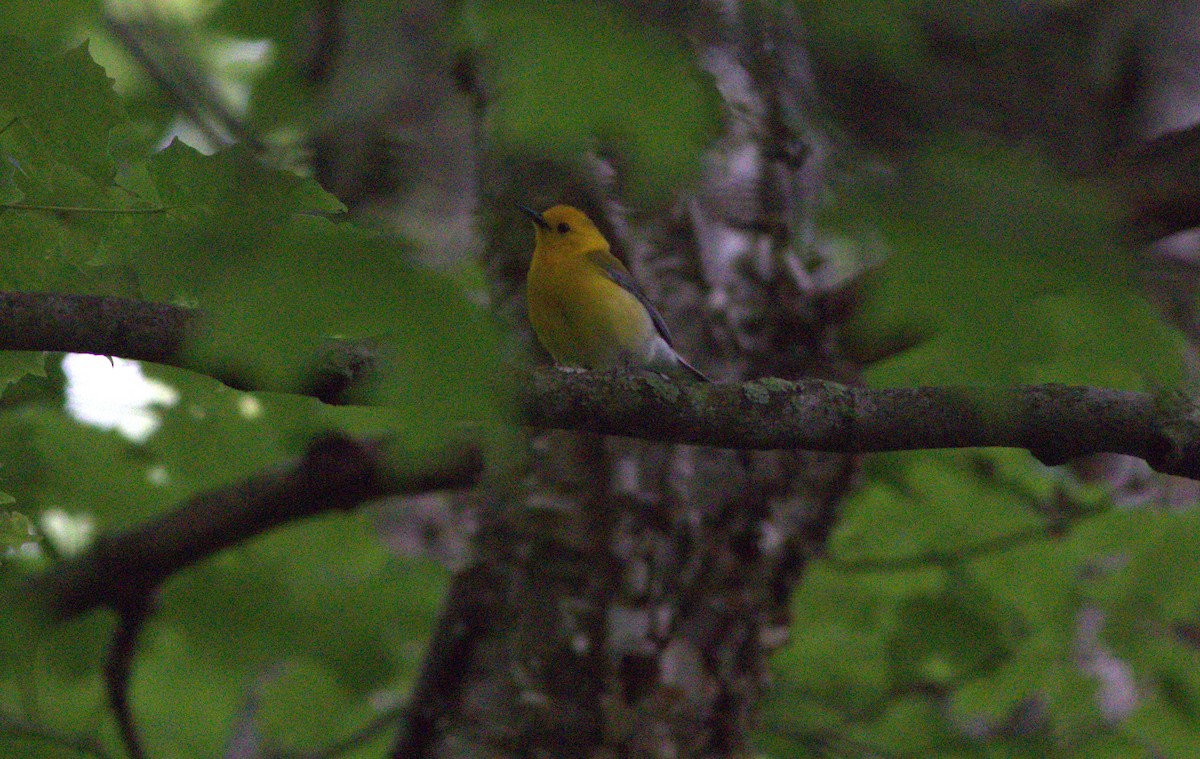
(623, 600)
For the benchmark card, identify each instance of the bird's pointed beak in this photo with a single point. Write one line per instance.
(537, 217)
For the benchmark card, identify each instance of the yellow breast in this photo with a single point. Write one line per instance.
(582, 317)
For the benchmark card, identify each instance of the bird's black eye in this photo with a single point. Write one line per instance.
(563, 228)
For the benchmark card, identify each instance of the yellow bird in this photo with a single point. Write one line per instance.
(584, 305)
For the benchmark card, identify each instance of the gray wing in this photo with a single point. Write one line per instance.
(623, 278)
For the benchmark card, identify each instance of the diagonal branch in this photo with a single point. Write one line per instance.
(336, 473)
(472, 600)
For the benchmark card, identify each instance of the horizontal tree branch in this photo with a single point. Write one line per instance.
(155, 332)
(101, 325)
(1054, 422)
(336, 473)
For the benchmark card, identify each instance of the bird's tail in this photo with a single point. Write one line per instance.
(689, 370)
(663, 358)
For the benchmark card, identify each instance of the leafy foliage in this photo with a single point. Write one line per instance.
(1010, 273)
(321, 604)
(925, 603)
(586, 77)
(966, 583)
(884, 30)
(952, 605)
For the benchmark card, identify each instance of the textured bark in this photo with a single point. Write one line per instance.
(635, 590)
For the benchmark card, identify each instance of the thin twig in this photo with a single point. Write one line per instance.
(78, 743)
(950, 556)
(159, 51)
(118, 668)
(83, 209)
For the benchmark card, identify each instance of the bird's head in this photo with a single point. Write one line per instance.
(565, 229)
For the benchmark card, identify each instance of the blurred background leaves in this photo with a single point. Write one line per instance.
(924, 633)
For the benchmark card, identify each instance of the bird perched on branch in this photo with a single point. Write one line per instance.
(584, 305)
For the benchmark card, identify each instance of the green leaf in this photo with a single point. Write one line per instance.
(46, 19)
(15, 528)
(320, 603)
(267, 19)
(200, 722)
(1179, 687)
(909, 726)
(887, 31)
(277, 283)
(920, 502)
(288, 716)
(15, 365)
(582, 76)
(56, 123)
(45, 251)
(223, 212)
(1011, 271)
(949, 637)
(1159, 581)
(281, 94)
(66, 102)
(842, 624)
(323, 592)
(212, 437)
